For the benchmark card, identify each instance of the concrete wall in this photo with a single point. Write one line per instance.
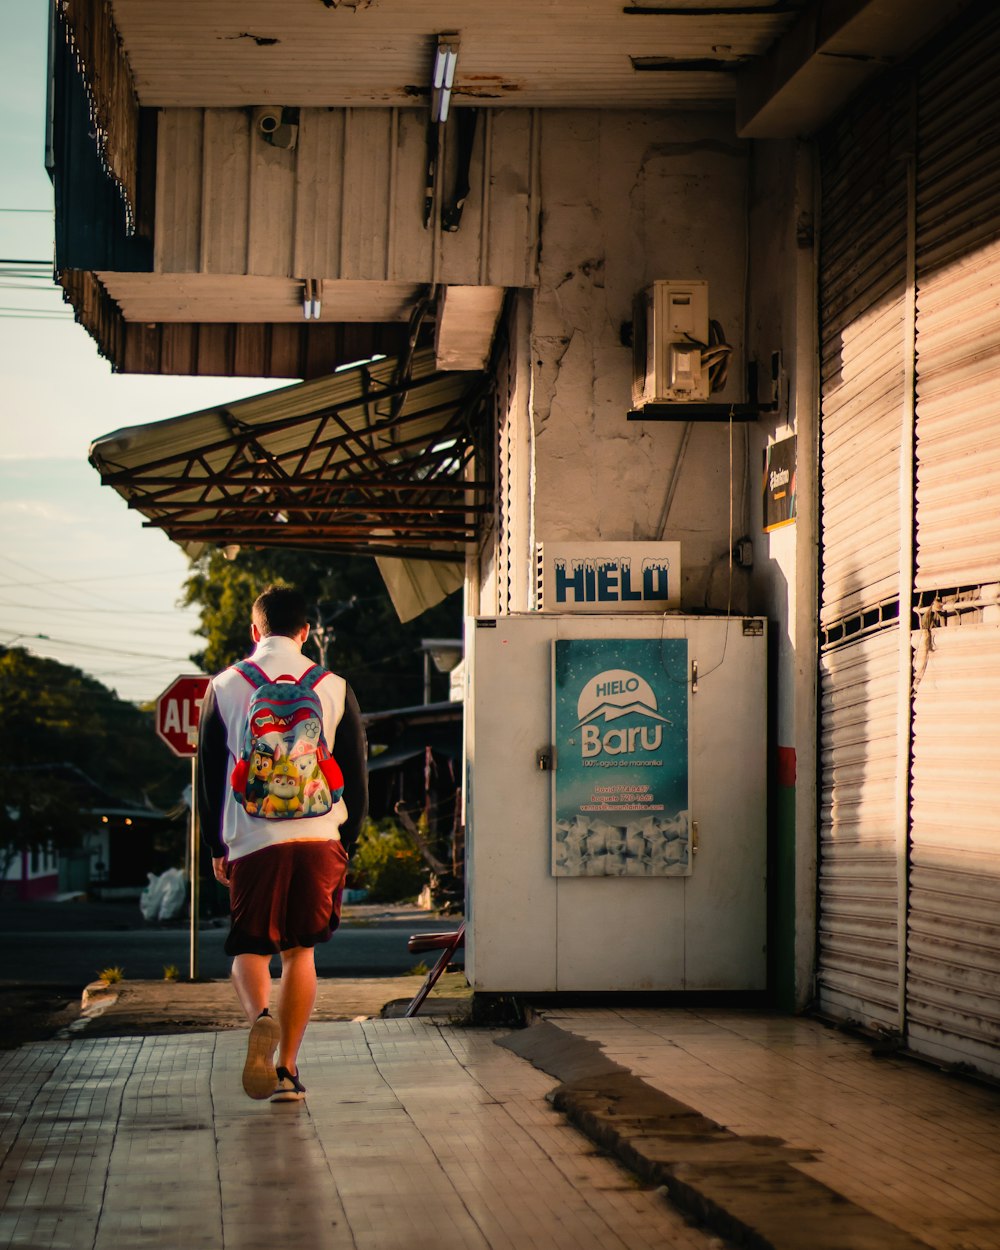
(627, 198)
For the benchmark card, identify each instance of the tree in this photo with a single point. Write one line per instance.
(370, 646)
(68, 735)
(65, 717)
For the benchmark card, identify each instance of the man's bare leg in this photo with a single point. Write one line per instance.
(251, 978)
(298, 997)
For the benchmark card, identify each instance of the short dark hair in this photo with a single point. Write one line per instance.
(280, 610)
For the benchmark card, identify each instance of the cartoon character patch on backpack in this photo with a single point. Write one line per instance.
(285, 769)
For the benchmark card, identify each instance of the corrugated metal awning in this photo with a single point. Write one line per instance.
(365, 461)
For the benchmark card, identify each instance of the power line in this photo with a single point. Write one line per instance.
(27, 210)
(59, 589)
(19, 605)
(28, 315)
(31, 315)
(84, 646)
(75, 581)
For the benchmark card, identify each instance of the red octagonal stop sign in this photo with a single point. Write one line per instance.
(177, 711)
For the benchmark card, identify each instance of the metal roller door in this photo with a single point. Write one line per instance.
(866, 336)
(958, 319)
(864, 347)
(858, 930)
(953, 938)
(953, 946)
(910, 719)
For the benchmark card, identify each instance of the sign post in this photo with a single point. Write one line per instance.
(177, 711)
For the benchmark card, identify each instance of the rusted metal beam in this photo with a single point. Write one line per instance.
(126, 478)
(267, 510)
(311, 539)
(236, 529)
(241, 431)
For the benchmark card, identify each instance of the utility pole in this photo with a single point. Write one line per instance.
(323, 630)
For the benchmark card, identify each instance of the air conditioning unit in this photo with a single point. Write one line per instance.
(669, 331)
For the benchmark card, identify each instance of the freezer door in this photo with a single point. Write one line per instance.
(531, 929)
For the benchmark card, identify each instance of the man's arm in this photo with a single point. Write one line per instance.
(350, 750)
(213, 766)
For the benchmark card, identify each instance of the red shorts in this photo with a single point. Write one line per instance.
(284, 896)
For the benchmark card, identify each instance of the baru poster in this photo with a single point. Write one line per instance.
(620, 786)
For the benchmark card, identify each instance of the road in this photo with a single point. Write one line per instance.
(69, 943)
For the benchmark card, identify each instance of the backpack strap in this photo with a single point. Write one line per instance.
(252, 673)
(256, 676)
(312, 677)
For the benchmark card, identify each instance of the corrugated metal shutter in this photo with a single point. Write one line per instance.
(953, 960)
(958, 318)
(935, 849)
(858, 976)
(862, 293)
(865, 336)
(953, 940)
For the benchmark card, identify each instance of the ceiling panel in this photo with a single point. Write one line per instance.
(156, 297)
(565, 53)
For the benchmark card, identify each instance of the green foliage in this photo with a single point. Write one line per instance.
(386, 864)
(375, 652)
(65, 717)
(70, 734)
(112, 975)
(73, 734)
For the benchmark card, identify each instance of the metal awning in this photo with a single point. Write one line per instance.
(380, 459)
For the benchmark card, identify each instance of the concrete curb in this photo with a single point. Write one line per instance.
(746, 1189)
(95, 999)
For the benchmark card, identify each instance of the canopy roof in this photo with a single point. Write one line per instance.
(382, 459)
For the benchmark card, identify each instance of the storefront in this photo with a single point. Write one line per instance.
(909, 870)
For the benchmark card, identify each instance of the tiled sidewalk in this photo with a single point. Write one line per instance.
(917, 1147)
(413, 1135)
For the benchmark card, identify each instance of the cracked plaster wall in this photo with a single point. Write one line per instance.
(628, 198)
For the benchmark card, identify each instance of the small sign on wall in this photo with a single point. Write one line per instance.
(779, 484)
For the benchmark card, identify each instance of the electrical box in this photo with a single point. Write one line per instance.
(670, 329)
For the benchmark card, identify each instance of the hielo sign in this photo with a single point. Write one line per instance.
(177, 712)
(609, 577)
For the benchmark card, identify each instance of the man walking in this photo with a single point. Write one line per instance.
(280, 828)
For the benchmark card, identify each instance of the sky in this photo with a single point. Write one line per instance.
(80, 580)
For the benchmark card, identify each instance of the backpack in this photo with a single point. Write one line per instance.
(285, 769)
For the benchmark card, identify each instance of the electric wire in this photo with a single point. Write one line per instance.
(87, 646)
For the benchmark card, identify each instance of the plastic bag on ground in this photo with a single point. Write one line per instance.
(164, 897)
